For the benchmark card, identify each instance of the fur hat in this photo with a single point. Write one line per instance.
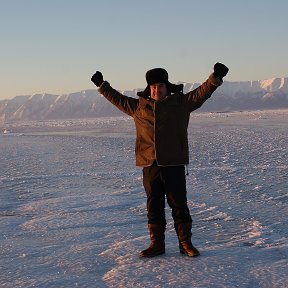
(159, 75)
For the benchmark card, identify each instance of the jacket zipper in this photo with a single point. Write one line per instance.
(154, 111)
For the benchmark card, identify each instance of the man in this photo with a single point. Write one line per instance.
(161, 116)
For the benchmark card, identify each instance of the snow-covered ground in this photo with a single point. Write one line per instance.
(72, 206)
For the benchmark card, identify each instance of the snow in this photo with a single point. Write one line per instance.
(274, 84)
(73, 213)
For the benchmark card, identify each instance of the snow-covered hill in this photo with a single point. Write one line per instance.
(231, 96)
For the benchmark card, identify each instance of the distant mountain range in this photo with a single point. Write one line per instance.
(231, 96)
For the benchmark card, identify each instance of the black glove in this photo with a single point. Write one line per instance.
(220, 70)
(97, 78)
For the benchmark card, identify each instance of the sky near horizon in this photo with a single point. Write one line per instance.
(55, 46)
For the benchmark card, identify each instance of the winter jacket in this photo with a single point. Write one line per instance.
(161, 126)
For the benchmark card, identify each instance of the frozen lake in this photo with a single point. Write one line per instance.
(73, 214)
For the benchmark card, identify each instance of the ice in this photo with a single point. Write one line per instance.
(73, 212)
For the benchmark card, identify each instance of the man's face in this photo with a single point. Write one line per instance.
(158, 91)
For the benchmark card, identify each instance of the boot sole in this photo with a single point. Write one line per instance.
(189, 255)
(151, 255)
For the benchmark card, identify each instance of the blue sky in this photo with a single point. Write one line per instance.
(55, 46)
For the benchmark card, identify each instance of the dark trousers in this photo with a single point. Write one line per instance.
(170, 181)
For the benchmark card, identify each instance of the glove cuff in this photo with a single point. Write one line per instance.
(215, 81)
(103, 86)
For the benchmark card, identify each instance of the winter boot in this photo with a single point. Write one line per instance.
(157, 237)
(184, 234)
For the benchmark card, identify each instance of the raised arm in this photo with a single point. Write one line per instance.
(124, 103)
(195, 98)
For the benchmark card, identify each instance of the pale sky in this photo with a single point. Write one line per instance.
(55, 46)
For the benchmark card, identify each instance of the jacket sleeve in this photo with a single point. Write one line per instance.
(195, 98)
(124, 103)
